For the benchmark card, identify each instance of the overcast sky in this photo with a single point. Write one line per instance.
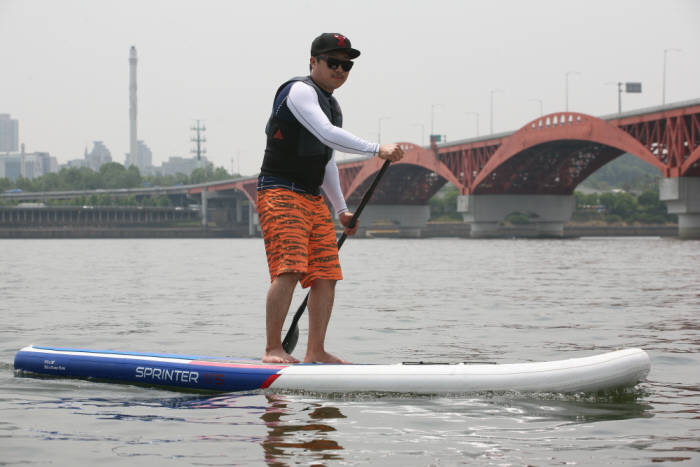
(65, 66)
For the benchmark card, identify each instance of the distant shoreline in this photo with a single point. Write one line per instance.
(432, 230)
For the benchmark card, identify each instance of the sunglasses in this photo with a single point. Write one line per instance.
(334, 63)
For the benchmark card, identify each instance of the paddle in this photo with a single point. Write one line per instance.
(290, 340)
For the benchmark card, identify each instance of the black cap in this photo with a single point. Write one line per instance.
(329, 41)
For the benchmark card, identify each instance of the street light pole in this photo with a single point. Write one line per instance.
(477, 120)
(567, 86)
(663, 83)
(634, 87)
(619, 97)
(540, 102)
(492, 93)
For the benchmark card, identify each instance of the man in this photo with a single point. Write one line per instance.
(302, 132)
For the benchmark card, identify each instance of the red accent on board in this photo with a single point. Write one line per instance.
(278, 135)
(269, 381)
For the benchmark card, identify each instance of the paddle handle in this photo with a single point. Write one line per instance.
(363, 202)
(287, 344)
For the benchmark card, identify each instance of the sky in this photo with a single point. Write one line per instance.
(438, 63)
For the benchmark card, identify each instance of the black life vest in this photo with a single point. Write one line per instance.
(294, 153)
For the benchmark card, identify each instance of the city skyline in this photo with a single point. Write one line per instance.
(443, 66)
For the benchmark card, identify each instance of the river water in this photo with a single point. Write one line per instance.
(447, 300)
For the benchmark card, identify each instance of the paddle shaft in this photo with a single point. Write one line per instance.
(289, 342)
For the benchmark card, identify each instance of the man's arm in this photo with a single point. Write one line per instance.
(302, 101)
(331, 186)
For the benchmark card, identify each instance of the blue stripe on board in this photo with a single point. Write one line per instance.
(134, 370)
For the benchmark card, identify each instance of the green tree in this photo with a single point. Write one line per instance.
(48, 182)
(6, 184)
(114, 175)
(443, 206)
(82, 178)
(625, 206)
(583, 199)
(652, 209)
(627, 172)
(24, 184)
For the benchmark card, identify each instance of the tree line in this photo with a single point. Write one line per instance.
(620, 206)
(112, 175)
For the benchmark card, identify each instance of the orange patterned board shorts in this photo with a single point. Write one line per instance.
(299, 235)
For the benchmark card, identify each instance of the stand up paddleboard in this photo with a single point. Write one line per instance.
(622, 368)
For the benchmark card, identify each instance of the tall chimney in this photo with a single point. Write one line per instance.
(131, 160)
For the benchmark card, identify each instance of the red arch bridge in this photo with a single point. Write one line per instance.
(534, 169)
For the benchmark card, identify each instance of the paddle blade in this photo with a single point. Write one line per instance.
(290, 340)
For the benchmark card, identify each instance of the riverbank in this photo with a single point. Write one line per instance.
(121, 232)
(571, 230)
(432, 230)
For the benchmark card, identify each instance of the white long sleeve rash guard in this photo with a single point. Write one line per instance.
(302, 102)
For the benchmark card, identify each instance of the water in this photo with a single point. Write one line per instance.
(432, 300)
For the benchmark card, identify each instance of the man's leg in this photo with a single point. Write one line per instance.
(320, 307)
(279, 297)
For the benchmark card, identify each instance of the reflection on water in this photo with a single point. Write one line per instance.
(308, 429)
(283, 437)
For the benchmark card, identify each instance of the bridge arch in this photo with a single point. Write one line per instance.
(418, 162)
(692, 159)
(246, 187)
(589, 142)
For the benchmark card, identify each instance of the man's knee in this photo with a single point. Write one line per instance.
(324, 284)
(287, 281)
(288, 277)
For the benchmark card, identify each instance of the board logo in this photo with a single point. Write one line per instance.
(167, 374)
(52, 365)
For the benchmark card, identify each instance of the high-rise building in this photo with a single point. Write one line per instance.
(26, 165)
(75, 164)
(144, 159)
(99, 156)
(11, 167)
(9, 134)
(176, 165)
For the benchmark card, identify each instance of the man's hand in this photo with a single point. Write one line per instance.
(344, 218)
(391, 152)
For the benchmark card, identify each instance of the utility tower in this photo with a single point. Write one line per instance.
(199, 139)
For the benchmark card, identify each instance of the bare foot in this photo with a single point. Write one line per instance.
(278, 356)
(323, 357)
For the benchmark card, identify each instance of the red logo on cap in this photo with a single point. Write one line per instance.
(341, 39)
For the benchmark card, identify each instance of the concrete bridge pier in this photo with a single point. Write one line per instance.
(408, 220)
(205, 197)
(253, 221)
(682, 197)
(239, 210)
(485, 212)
